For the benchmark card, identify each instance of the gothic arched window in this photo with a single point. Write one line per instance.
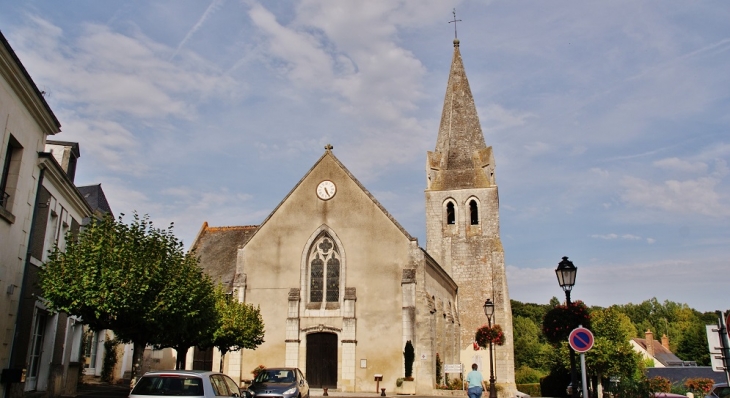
(474, 212)
(324, 275)
(450, 213)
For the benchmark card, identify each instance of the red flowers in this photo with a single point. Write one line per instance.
(485, 335)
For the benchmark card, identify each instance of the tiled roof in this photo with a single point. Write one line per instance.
(217, 249)
(661, 353)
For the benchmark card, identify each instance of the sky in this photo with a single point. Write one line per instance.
(610, 121)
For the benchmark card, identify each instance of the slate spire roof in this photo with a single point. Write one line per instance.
(461, 159)
(460, 133)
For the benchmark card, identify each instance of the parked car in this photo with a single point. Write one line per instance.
(189, 383)
(719, 390)
(569, 390)
(279, 383)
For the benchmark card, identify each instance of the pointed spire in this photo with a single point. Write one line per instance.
(461, 159)
(460, 133)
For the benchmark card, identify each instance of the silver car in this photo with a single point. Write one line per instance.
(187, 383)
(279, 383)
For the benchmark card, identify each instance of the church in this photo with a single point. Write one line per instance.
(342, 286)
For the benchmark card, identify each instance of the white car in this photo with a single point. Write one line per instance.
(187, 383)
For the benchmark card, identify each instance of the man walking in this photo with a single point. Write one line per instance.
(475, 381)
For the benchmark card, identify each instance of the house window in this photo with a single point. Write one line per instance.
(324, 275)
(450, 213)
(10, 171)
(474, 212)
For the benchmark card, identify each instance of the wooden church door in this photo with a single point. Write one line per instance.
(322, 360)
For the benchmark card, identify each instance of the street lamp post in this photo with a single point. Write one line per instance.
(566, 272)
(489, 311)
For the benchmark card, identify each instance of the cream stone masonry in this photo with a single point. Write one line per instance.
(342, 286)
(462, 224)
(25, 122)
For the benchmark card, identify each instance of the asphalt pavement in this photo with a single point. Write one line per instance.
(105, 390)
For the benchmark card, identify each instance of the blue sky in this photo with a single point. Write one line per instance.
(610, 121)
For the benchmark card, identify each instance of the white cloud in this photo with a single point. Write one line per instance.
(676, 164)
(694, 196)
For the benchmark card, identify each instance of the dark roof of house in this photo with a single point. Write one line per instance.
(95, 197)
(217, 249)
(680, 373)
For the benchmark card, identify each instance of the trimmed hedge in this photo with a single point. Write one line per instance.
(533, 389)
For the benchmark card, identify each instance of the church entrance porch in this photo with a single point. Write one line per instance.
(322, 360)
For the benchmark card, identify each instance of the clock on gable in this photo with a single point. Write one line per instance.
(326, 190)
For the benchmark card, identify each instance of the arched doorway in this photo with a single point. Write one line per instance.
(322, 360)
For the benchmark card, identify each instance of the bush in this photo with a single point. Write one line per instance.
(409, 355)
(554, 384)
(527, 375)
(532, 389)
(660, 384)
(439, 365)
(699, 385)
(455, 384)
(110, 360)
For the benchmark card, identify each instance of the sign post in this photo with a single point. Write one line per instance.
(581, 340)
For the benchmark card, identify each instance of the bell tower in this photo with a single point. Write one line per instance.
(462, 223)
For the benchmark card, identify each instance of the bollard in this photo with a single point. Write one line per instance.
(325, 392)
(382, 392)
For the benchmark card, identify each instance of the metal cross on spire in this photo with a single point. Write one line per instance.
(455, 21)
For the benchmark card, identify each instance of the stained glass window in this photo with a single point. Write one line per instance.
(324, 252)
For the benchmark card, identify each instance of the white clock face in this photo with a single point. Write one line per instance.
(326, 189)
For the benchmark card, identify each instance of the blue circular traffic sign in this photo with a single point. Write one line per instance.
(581, 339)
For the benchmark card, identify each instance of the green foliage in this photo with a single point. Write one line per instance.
(531, 389)
(129, 278)
(110, 360)
(409, 355)
(660, 384)
(452, 384)
(631, 388)
(533, 312)
(527, 375)
(531, 350)
(612, 354)
(692, 345)
(699, 385)
(439, 365)
(241, 325)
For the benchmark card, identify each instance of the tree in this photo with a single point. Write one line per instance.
(693, 345)
(409, 355)
(529, 350)
(612, 354)
(121, 277)
(190, 318)
(241, 325)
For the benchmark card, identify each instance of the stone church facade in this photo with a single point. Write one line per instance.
(342, 286)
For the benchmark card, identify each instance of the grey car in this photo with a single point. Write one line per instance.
(188, 383)
(279, 383)
(719, 390)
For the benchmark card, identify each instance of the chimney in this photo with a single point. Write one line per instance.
(665, 342)
(649, 342)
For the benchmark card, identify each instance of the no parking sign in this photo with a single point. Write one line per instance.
(581, 339)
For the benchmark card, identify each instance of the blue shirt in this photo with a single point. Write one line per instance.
(474, 378)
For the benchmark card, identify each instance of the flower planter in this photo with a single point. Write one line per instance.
(406, 388)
